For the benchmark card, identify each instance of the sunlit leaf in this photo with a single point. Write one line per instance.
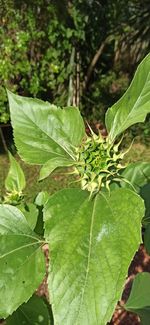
(134, 105)
(92, 243)
(22, 265)
(15, 180)
(43, 131)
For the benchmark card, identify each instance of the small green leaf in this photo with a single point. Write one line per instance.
(52, 164)
(138, 174)
(41, 198)
(139, 299)
(43, 131)
(92, 243)
(134, 105)
(30, 211)
(22, 265)
(34, 312)
(15, 180)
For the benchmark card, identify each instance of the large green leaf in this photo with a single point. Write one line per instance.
(34, 312)
(134, 105)
(43, 131)
(22, 265)
(138, 174)
(139, 299)
(92, 243)
(15, 180)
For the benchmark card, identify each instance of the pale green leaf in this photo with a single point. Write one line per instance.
(22, 265)
(43, 131)
(52, 164)
(92, 243)
(139, 299)
(12, 220)
(15, 180)
(134, 105)
(41, 198)
(34, 312)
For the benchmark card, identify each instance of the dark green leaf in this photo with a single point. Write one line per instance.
(139, 299)
(138, 174)
(91, 245)
(22, 265)
(145, 194)
(34, 312)
(15, 180)
(147, 239)
(134, 105)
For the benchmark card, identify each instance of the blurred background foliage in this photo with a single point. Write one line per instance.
(80, 52)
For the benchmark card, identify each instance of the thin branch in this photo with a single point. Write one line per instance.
(3, 140)
(93, 63)
(71, 88)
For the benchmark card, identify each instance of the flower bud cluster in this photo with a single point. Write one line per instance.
(98, 163)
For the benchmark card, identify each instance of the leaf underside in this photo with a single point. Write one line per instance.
(91, 246)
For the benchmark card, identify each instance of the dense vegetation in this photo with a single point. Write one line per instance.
(81, 52)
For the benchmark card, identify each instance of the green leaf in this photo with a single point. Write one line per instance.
(43, 131)
(52, 164)
(22, 265)
(92, 243)
(145, 194)
(34, 312)
(41, 198)
(30, 211)
(139, 299)
(138, 174)
(15, 180)
(147, 239)
(134, 105)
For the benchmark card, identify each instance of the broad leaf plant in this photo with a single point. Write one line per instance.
(93, 231)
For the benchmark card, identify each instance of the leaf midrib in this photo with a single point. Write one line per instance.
(88, 260)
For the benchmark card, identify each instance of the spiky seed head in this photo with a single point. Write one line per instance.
(98, 163)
